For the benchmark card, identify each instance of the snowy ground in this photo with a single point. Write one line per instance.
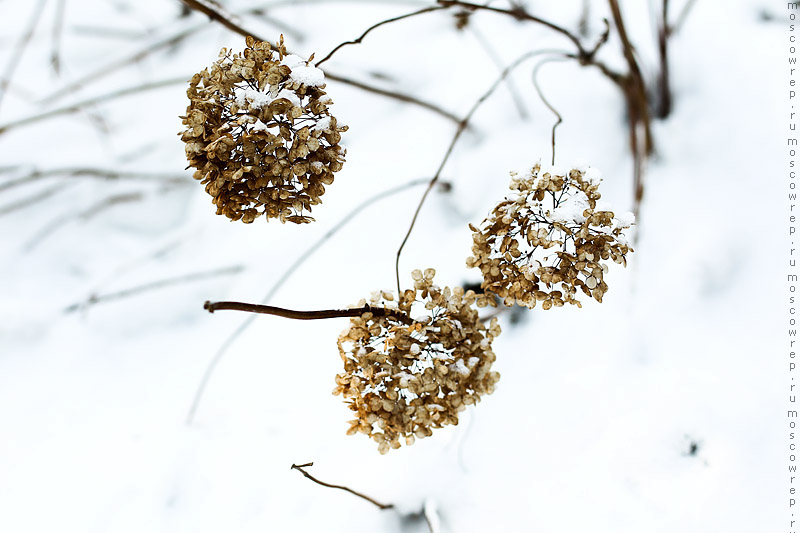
(594, 419)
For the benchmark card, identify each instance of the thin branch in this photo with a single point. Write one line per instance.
(305, 315)
(462, 125)
(293, 268)
(74, 108)
(301, 469)
(549, 106)
(379, 24)
(518, 13)
(99, 173)
(160, 284)
(19, 49)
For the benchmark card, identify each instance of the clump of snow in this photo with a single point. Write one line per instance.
(301, 72)
(571, 210)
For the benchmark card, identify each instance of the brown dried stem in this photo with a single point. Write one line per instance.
(304, 315)
(559, 120)
(301, 469)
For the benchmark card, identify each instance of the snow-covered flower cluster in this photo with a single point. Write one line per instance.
(404, 377)
(260, 135)
(549, 238)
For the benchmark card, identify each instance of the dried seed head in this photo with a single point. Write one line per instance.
(549, 238)
(404, 377)
(259, 134)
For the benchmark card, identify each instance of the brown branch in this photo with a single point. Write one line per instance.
(291, 269)
(160, 284)
(19, 49)
(462, 125)
(305, 315)
(559, 120)
(301, 469)
(74, 108)
(379, 24)
(641, 142)
(664, 106)
(121, 63)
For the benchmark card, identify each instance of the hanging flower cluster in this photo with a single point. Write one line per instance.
(404, 377)
(550, 238)
(260, 135)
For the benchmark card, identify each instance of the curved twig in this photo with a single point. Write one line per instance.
(462, 125)
(549, 106)
(301, 469)
(379, 24)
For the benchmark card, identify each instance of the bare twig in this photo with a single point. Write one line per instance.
(301, 469)
(462, 125)
(549, 106)
(98, 173)
(664, 106)
(305, 315)
(74, 108)
(155, 285)
(19, 49)
(294, 267)
(379, 24)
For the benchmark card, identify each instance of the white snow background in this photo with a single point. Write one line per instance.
(592, 422)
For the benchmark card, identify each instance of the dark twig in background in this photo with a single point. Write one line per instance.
(559, 120)
(301, 469)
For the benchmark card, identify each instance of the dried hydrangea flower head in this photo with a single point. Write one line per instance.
(551, 237)
(260, 135)
(404, 377)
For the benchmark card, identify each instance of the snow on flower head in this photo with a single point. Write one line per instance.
(549, 238)
(260, 135)
(404, 377)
